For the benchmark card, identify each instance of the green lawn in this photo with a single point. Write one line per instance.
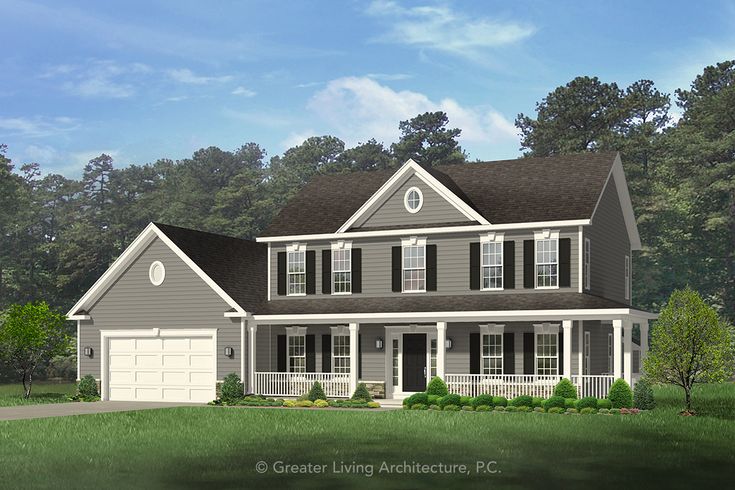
(42, 392)
(219, 447)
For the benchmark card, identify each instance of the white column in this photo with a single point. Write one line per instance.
(252, 332)
(644, 339)
(567, 328)
(441, 342)
(354, 329)
(617, 344)
(628, 351)
(580, 350)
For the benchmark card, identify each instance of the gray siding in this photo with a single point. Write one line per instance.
(609, 244)
(453, 262)
(435, 209)
(182, 301)
(598, 345)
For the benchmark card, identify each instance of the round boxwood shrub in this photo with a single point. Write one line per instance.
(87, 387)
(451, 408)
(537, 401)
(304, 403)
(538, 409)
(511, 408)
(433, 399)
(565, 389)
(620, 394)
(480, 400)
(604, 403)
(483, 408)
(555, 410)
(554, 402)
(437, 387)
(523, 408)
(603, 411)
(571, 410)
(588, 411)
(373, 404)
(434, 407)
(500, 401)
(231, 390)
(643, 396)
(522, 401)
(500, 408)
(289, 403)
(450, 399)
(321, 403)
(586, 402)
(361, 393)
(465, 400)
(570, 402)
(418, 406)
(412, 400)
(468, 408)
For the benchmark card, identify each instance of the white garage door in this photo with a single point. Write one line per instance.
(161, 368)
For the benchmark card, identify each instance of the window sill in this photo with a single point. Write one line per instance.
(492, 289)
(414, 292)
(547, 287)
(341, 294)
(296, 294)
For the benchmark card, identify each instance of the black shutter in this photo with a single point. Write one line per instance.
(528, 264)
(281, 273)
(326, 353)
(509, 265)
(475, 265)
(431, 267)
(528, 356)
(310, 272)
(359, 356)
(356, 270)
(396, 266)
(326, 271)
(565, 262)
(560, 361)
(281, 353)
(509, 358)
(474, 353)
(310, 354)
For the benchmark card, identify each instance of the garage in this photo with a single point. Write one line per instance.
(159, 365)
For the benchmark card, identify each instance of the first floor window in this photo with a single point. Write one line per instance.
(547, 360)
(547, 261)
(395, 362)
(492, 353)
(296, 273)
(587, 258)
(341, 353)
(432, 356)
(297, 353)
(492, 265)
(586, 353)
(609, 353)
(414, 268)
(342, 270)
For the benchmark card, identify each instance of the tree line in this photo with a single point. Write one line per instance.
(58, 235)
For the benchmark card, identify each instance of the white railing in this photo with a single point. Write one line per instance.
(512, 385)
(597, 385)
(296, 384)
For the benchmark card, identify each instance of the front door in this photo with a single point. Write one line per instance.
(414, 362)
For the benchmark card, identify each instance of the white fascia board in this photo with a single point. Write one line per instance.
(621, 185)
(426, 231)
(78, 317)
(396, 179)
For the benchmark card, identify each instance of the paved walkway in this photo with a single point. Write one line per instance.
(80, 408)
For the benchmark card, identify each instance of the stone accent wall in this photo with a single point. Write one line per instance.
(376, 388)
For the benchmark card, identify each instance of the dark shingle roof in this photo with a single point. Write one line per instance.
(509, 191)
(237, 266)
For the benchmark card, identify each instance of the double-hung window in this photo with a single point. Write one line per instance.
(492, 263)
(296, 348)
(414, 265)
(547, 349)
(491, 353)
(587, 260)
(547, 260)
(340, 350)
(296, 271)
(342, 271)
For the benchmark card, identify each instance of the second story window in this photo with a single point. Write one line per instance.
(547, 262)
(296, 277)
(587, 257)
(492, 265)
(342, 271)
(627, 277)
(414, 266)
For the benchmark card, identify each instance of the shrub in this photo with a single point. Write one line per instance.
(620, 394)
(316, 392)
(537, 402)
(615, 411)
(629, 411)
(586, 402)
(465, 400)
(499, 408)
(87, 387)
(604, 403)
(555, 410)
(571, 410)
(500, 401)
(588, 411)
(565, 389)
(450, 399)
(482, 400)
(538, 409)
(412, 400)
(321, 403)
(511, 408)
(373, 404)
(232, 389)
(468, 408)
(362, 393)
(554, 401)
(483, 408)
(451, 408)
(643, 396)
(289, 403)
(433, 399)
(304, 403)
(437, 387)
(522, 401)
(418, 406)
(523, 409)
(434, 407)
(603, 411)
(570, 402)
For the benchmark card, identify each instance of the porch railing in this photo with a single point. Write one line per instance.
(512, 385)
(336, 385)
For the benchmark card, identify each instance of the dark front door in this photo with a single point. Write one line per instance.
(414, 362)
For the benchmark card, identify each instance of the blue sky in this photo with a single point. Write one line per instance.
(153, 79)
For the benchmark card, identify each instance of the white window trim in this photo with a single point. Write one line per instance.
(492, 238)
(294, 332)
(340, 331)
(154, 264)
(586, 352)
(492, 329)
(627, 277)
(545, 234)
(587, 262)
(544, 329)
(421, 200)
(295, 247)
(610, 353)
(412, 242)
(341, 245)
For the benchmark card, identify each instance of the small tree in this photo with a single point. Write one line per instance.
(362, 393)
(316, 392)
(565, 389)
(30, 335)
(689, 344)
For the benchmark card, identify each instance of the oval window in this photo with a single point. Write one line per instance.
(413, 200)
(157, 273)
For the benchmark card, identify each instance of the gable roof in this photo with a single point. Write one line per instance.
(525, 190)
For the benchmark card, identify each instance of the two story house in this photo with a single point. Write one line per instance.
(499, 277)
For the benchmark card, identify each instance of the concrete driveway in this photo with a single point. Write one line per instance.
(80, 408)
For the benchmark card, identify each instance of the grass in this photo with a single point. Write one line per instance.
(219, 447)
(41, 392)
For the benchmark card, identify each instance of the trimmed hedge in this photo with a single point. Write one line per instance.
(537, 402)
(620, 394)
(416, 398)
(500, 401)
(437, 387)
(554, 402)
(451, 408)
(481, 400)
(483, 408)
(565, 389)
(522, 401)
(570, 402)
(604, 403)
(587, 402)
(450, 399)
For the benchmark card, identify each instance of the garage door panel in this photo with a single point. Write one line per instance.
(173, 344)
(121, 361)
(148, 393)
(199, 378)
(201, 345)
(122, 345)
(175, 361)
(121, 393)
(177, 377)
(147, 360)
(148, 345)
(148, 377)
(198, 361)
(175, 394)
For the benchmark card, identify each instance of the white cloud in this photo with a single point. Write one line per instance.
(442, 29)
(359, 108)
(40, 153)
(99, 78)
(389, 76)
(81, 158)
(36, 127)
(296, 138)
(185, 75)
(243, 91)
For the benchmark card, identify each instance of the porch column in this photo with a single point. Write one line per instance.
(644, 339)
(567, 327)
(354, 329)
(628, 351)
(252, 331)
(441, 338)
(617, 344)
